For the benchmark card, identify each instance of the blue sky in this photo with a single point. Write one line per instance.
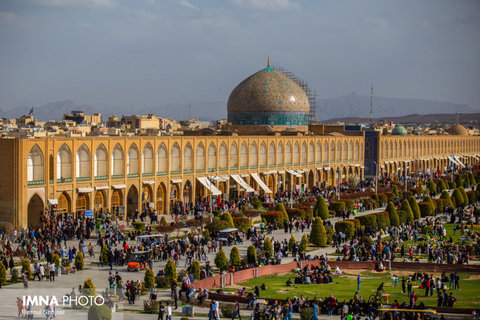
(114, 53)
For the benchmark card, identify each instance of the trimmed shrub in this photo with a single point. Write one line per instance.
(308, 212)
(346, 227)
(150, 306)
(431, 186)
(447, 201)
(163, 221)
(387, 217)
(296, 213)
(56, 260)
(3, 274)
(425, 209)
(217, 225)
(227, 310)
(408, 210)
(256, 203)
(415, 209)
(395, 190)
(251, 255)
(251, 213)
(26, 267)
(356, 223)
(306, 313)
(268, 246)
(138, 226)
(221, 261)
(471, 179)
(366, 241)
(376, 199)
(381, 220)
(149, 279)
(452, 185)
(441, 185)
(206, 234)
(226, 216)
(330, 232)
(272, 217)
(235, 259)
(392, 212)
(281, 208)
(304, 242)
(382, 197)
(337, 206)
(101, 312)
(458, 181)
(369, 220)
(291, 243)
(242, 223)
(89, 288)
(439, 204)
(472, 196)
(318, 235)
(402, 216)
(457, 195)
(464, 195)
(349, 204)
(79, 262)
(390, 196)
(194, 269)
(170, 271)
(429, 200)
(428, 230)
(321, 209)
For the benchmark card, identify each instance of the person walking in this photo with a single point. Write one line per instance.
(315, 311)
(359, 282)
(236, 311)
(161, 311)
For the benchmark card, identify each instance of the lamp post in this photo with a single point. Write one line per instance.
(338, 191)
(210, 189)
(376, 176)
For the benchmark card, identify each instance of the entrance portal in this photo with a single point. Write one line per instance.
(35, 209)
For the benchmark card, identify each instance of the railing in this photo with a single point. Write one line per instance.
(175, 172)
(117, 176)
(35, 182)
(212, 169)
(243, 167)
(64, 180)
(83, 178)
(233, 168)
(161, 173)
(52, 181)
(96, 178)
(148, 174)
(187, 171)
(200, 170)
(253, 167)
(132, 175)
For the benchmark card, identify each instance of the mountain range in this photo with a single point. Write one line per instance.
(334, 108)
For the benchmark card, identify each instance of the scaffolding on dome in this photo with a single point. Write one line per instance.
(311, 94)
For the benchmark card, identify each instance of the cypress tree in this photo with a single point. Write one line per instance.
(415, 208)
(406, 207)
(221, 260)
(441, 185)
(268, 247)
(226, 216)
(251, 255)
(395, 190)
(291, 243)
(321, 209)
(304, 243)
(3, 274)
(447, 201)
(457, 195)
(280, 207)
(458, 181)
(431, 186)
(149, 279)
(464, 195)
(318, 235)
(170, 270)
(194, 269)
(392, 212)
(235, 257)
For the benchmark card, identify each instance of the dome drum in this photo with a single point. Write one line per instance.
(271, 118)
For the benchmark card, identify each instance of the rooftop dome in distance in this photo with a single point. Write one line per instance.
(399, 131)
(268, 97)
(458, 130)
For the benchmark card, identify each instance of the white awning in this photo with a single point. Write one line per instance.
(176, 181)
(294, 173)
(209, 186)
(101, 188)
(242, 183)
(474, 156)
(52, 201)
(281, 172)
(452, 159)
(149, 182)
(244, 176)
(84, 190)
(261, 183)
(119, 186)
(270, 172)
(220, 178)
(357, 165)
(302, 171)
(362, 167)
(320, 169)
(460, 162)
(326, 168)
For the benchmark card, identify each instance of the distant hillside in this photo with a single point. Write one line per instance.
(49, 111)
(359, 105)
(412, 118)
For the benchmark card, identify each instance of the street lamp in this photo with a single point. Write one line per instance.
(210, 189)
(338, 191)
(376, 176)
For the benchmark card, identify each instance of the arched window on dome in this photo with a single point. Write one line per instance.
(253, 156)
(280, 154)
(288, 154)
(296, 154)
(200, 158)
(271, 155)
(244, 156)
(263, 155)
(234, 156)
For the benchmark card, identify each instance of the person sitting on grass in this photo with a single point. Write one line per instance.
(289, 283)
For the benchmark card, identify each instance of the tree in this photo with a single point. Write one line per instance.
(149, 279)
(79, 263)
(221, 260)
(268, 247)
(441, 185)
(235, 257)
(101, 312)
(251, 255)
(464, 195)
(280, 207)
(318, 235)
(395, 190)
(206, 234)
(3, 274)
(304, 242)
(26, 267)
(89, 288)
(291, 243)
(226, 216)
(170, 270)
(392, 213)
(321, 209)
(406, 207)
(415, 209)
(195, 269)
(104, 254)
(429, 200)
(458, 181)
(457, 195)
(56, 260)
(431, 186)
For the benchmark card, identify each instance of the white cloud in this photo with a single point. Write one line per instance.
(186, 4)
(265, 4)
(86, 3)
(9, 18)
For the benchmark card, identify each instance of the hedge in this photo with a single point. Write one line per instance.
(402, 215)
(281, 208)
(369, 220)
(472, 196)
(429, 200)
(321, 209)
(415, 209)
(464, 194)
(139, 226)
(272, 217)
(349, 205)
(387, 217)
(447, 201)
(346, 227)
(337, 206)
(242, 224)
(330, 233)
(441, 185)
(217, 225)
(458, 181)
(101, 312)
(392, 211)
(425, 209)
(356, 223)
(296, 213)
(439, 204)
(451, 185)
(408, 210)
(381, 220)
(457, 195)
(431, 186)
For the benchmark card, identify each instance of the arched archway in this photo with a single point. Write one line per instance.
(99, 202)
(116, 203)
(64, 203)
(82, 203)
(147, 196)
(161, 199)
(187, 192)
(311, 179)
(132, 201)
(35, 210)
(271, 183)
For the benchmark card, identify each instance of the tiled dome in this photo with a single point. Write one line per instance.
(399, 131)
(268, 97)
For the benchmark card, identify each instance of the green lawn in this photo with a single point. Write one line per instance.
(344, 287)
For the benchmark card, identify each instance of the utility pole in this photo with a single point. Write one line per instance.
(371, 106)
